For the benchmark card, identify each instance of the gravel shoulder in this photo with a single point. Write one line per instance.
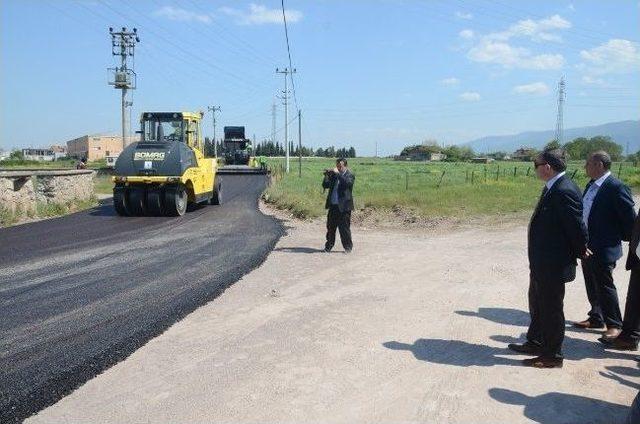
(410, 327)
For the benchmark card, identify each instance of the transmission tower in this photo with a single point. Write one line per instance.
(124, 78)
(213, 109)
(559, 118)
(285, 97)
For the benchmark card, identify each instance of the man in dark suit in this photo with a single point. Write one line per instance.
(557, 236)
(608, 213)
(339, 202)
(629, 338)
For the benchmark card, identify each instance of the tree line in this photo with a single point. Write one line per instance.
(576, 149)
(270, 148)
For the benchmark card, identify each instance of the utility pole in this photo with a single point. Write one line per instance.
(273, 122)
(560, 117)
(286, 72)
(124, 78)
(299, 143)
(376, 149)
(213, 110)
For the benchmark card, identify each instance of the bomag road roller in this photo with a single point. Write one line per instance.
(166, 170)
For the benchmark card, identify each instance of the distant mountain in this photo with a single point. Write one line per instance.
(622, 132)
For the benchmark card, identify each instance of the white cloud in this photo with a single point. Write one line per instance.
(504, 54)
(616, 56)
(538, 88)
(259, 15)
(589, 80)
(571, 7)
(177, 14)
(450, 81)
(470, 96)
(500, 47)
(464, 15)
(539, 30)
(466, 34)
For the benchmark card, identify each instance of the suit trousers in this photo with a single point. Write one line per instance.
(601, 292)
(631, 322)
(341, 221)
(546, 307)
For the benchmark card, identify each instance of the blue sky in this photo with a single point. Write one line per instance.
(386, 72)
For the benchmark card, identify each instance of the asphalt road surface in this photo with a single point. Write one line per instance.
(80, 293)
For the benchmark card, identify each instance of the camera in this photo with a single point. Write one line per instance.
(328, 172)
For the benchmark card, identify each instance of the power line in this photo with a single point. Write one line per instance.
(286, 34)
(181, 48)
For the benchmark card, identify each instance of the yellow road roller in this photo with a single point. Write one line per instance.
(166, 170)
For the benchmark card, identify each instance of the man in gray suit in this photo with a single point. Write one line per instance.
(339, 203)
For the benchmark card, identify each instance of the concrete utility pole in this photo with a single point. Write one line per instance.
(299, 143)
(273, 122)
(560, 117)
(213, 109)
(286, 72)
(124, 78)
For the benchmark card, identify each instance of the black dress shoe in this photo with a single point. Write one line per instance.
(542, 362)
(526, 347)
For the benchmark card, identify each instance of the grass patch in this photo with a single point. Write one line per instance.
(45, 210)
(102, 184)
(429, 189)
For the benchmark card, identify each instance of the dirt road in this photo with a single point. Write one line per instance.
(410, 327)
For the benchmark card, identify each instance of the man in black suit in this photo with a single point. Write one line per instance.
(629, 338)
(557, 236)
(608, 213)
(339, 202)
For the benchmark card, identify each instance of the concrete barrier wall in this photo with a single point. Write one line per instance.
(23, 189)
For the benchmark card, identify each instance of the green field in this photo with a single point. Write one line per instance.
(58, 164)
(428, 189)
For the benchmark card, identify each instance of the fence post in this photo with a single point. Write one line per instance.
(485, 174)
(620, 170)
(528, 169)
(473, 173)
(466, 176)
(498, 173)
(441, 177)
(406, 180)
(515, 171)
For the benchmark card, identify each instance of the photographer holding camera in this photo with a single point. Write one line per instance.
(339, 181)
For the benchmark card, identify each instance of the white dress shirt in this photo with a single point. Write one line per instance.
(590, 195)
(550, 183)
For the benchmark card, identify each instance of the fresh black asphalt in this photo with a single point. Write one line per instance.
(80, 293)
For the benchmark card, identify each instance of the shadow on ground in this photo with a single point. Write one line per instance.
(563, 408)
(575, 349)
(302, 250)
(455, 352)
(517, 317)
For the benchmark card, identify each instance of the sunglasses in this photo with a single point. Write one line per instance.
(536, 165)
